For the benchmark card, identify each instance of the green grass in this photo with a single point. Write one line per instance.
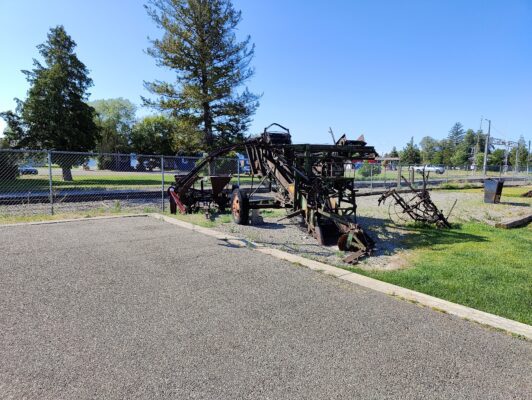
(507, 191)
(475, 265)
(133, 180)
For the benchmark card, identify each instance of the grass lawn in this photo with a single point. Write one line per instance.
(6, 218)
(507, 191)
(133, 180)
(475, 265)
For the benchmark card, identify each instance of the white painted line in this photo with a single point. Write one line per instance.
(458, 310)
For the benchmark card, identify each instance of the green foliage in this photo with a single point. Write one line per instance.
(394, 152)
(115, 119)
(410, 154)
(368, 169)
(429, 148)
(155, 135)
(55, 114)
(199, 44)
(456, 134)
(522, 153)
(460, 156)
(8, 162)
(496, 157)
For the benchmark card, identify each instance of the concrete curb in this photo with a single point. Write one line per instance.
(435, 303)
(60, 221)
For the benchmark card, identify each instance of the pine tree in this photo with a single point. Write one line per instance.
(410, 155)
(394, 152)
(456, 134)
(55, 115)
(200, 46)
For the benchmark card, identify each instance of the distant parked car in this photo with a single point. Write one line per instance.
(27, 170)
(429, 168)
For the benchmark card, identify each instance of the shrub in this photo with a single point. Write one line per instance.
(366, 169)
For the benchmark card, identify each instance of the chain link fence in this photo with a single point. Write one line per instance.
(381, 175)
(48, 182)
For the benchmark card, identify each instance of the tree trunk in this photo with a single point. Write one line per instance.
(67, 174)
(207, 126)
(208, 133)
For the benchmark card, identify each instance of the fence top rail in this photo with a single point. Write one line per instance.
(93, 154)
(23, 151)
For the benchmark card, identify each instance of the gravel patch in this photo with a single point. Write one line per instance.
(391, 253)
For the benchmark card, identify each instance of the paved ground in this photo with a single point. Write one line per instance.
(137, 308)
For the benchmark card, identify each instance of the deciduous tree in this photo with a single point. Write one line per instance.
(115, 119)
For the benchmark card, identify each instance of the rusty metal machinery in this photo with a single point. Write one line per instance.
(308, 180)
(416, 206)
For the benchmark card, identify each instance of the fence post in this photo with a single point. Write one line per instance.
(50, 184)
(399, 175)
(162, 183)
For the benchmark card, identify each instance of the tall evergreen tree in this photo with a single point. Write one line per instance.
(200, 46)
(55, 115)
(394, 152)
(410, 154)
(456, 134)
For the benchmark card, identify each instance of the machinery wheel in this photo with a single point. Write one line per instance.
(361, 236)
(240, 207)
(342, 242)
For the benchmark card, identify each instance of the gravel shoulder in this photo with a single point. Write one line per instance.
(391, 252)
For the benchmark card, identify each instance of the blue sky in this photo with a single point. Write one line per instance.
(387, 69)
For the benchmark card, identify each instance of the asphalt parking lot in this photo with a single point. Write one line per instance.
(138, 308)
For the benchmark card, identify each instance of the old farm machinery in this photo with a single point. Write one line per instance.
(308, 180)
(415, 205)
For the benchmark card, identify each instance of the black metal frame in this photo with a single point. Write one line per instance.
(307, 179)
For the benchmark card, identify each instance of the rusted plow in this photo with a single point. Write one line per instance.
(414, 206)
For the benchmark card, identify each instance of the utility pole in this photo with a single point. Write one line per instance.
(528, 159)
(486, 146)
(516, 166)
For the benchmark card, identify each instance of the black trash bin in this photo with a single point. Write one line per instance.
(493, 190)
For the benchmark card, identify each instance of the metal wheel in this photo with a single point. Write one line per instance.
(397, 214)
(354, 246)
(240, 207)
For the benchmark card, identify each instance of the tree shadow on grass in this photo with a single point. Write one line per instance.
(511, 203)
(389, 239)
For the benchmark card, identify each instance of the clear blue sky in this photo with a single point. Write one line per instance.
(387, 69)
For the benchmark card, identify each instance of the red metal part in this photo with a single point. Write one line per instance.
(177, 201)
